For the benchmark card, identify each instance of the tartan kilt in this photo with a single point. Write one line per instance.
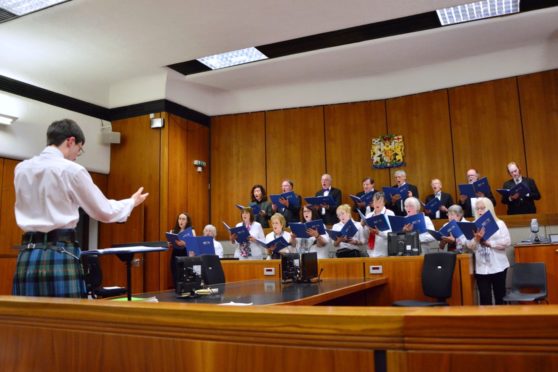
(46, 270)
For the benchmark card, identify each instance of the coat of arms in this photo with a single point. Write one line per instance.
(388, 151)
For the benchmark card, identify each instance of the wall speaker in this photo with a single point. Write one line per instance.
(157, 122)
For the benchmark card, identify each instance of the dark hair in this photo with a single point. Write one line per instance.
(247, 210)
(176, 228)
(264, 195)
(369, 179)
(315, 215)
(61, 130)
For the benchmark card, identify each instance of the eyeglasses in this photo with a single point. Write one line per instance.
(81, 150)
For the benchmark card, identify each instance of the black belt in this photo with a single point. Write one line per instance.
(54, 236)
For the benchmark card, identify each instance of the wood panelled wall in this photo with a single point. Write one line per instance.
(161, 161)
(446, 132)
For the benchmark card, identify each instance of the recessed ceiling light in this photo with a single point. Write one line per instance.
(10, 9)
(477, 10)
(236, 57)
(6, 119)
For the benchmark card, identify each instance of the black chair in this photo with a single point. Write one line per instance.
(94, 278)
(528, 275)
(437, 275)
(212, 270)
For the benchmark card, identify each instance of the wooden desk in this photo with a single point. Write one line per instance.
(547, 253)
(81, 335)
(340, 291)
(403, 274)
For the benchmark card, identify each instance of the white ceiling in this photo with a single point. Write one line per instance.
(93, 49)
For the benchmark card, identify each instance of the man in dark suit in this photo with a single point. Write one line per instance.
(467, 203)
(396, 202)
(444, 198)
(520, 204)
(328, 213)
(290, 211)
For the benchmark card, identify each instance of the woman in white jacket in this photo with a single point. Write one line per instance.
(491, 262)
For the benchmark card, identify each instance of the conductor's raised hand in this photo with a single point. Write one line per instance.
(139, 197)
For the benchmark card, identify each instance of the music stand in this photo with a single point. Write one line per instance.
(126, 255)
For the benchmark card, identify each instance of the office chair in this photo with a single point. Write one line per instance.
(212, 270)
(528, 275)
(437, 275)
(94, 278)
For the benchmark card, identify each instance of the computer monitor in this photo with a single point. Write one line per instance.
(299, 268)
(404, 244)
(308, 266)
(188, 275)
(290, 267)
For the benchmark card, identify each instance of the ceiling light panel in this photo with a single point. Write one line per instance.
(236, 57)
(11, 9)
(477, 10)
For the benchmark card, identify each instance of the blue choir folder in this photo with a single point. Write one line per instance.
(398, 222)
(482, 186)
(433, 205)
(478, 186)
(290, 196)
(520, 188)
(299, 228)
(242, 233)
(276, 244)
(348, 230)
(200, 245)
(379, 222)
(172, 238)
(319, 200)
(467, 189)
(451, 228)
(255, 208)
(486, 220)
(402, 191)
(365, 198)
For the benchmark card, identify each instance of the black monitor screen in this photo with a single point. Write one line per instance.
(403, 244)
(308, 266)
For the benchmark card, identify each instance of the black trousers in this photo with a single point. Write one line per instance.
(492, 283)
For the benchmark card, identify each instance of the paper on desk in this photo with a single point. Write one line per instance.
(232, 303)
(140, 299)
(135, 249)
